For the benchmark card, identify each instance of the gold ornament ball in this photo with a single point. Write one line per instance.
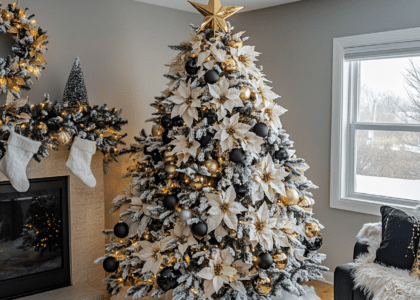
(171, 170)
(235, 44)
(305, 203)
(168, 157)
(211, 165)
(198, 182)
(281, 260)
(291, 198)
(157, 130)
(245, 93)
(262, 286)
(312, 230)
(160, 107)
(63, 138)
(230, 65)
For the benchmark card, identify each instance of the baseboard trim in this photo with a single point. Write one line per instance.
(328, 278)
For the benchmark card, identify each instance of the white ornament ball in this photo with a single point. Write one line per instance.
(185, 215)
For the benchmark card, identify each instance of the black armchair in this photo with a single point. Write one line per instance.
(343, 280)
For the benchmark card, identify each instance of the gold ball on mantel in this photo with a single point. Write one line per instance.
(305, 203)
(291, 198)
(211, 165)
(235, 44)
(158, 130)
(63, 138)
(262, 286)
(245, 93)
(198, 182)
(312, 229)
(230, 65)
(281, 260)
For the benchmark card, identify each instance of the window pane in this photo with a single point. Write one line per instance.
(388, 164)
(389, 90)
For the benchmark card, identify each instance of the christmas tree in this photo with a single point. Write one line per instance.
(219, 206)
(75, 91)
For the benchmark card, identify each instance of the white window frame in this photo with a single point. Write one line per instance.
(389, 44)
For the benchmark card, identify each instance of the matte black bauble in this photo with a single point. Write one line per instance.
(240, 190)
(281, 155)
(264, 261)
(211, 116)
(170, 202)
(191, 66)
(167, 279)
(199, 229)
(261, 129)
(121, 230)
(313, 245)
(111, 264)
(237, 155)
(165, 138)
(166, 122)
(211, 77)
(206, 139)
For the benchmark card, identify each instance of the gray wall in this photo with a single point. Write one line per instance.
(296, 44)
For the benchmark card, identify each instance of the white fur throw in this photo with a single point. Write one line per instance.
(382, 283)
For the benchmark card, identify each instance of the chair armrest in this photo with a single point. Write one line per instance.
(361, 247)
(343, 282)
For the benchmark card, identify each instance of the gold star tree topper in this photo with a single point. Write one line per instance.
(215, 15)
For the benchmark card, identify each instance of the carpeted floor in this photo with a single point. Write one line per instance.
(324, 290)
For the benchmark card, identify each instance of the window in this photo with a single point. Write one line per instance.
(375, 144)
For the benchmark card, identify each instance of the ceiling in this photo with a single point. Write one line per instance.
(249, 4)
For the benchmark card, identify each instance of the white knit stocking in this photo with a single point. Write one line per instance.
(80, 158)
(18, 154)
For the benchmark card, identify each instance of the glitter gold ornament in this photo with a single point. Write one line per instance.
(245, 93)
(211, 165)
(291, 198)
(312, 229)
(63, 138)
(280, 260)
(171, 170)
(305, 203)
(157, 130)
(262, 286)
(168, 157)
(198, 182)
(230, 65)
(235, 44)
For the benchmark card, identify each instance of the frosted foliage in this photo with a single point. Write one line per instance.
(75, 90)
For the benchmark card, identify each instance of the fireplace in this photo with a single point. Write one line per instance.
(34, 237)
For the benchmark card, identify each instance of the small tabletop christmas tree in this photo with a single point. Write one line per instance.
(219, 206)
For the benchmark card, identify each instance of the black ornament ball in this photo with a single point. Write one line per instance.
(167, 279)
(165, 138)
(191, 66)
(170, 202)
(313, 245)
(111, 264)
(156, 156)
(206, 139)
(237, 155)
(166, 122)
(261, 129)
(211, 116)
(281, 155)
(121, 230)
(264, 261)
(199, 229)
(211, 77)
(240, 190)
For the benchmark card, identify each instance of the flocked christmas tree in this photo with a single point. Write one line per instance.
(219, 206)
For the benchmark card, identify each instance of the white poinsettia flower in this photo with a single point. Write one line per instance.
(252, 142)
(138, 204)
(230, 132)
(151, 253)
(264, 94)
(224, 207)
(177, 65)
(242, 269)
(211, 49)
(268, 178)
(186, 103)
(262, 227)
(184, 148)
(271, 113)
(245, 57)
(184, 237)
(224, 98)
(218, 273)
(196, 42)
